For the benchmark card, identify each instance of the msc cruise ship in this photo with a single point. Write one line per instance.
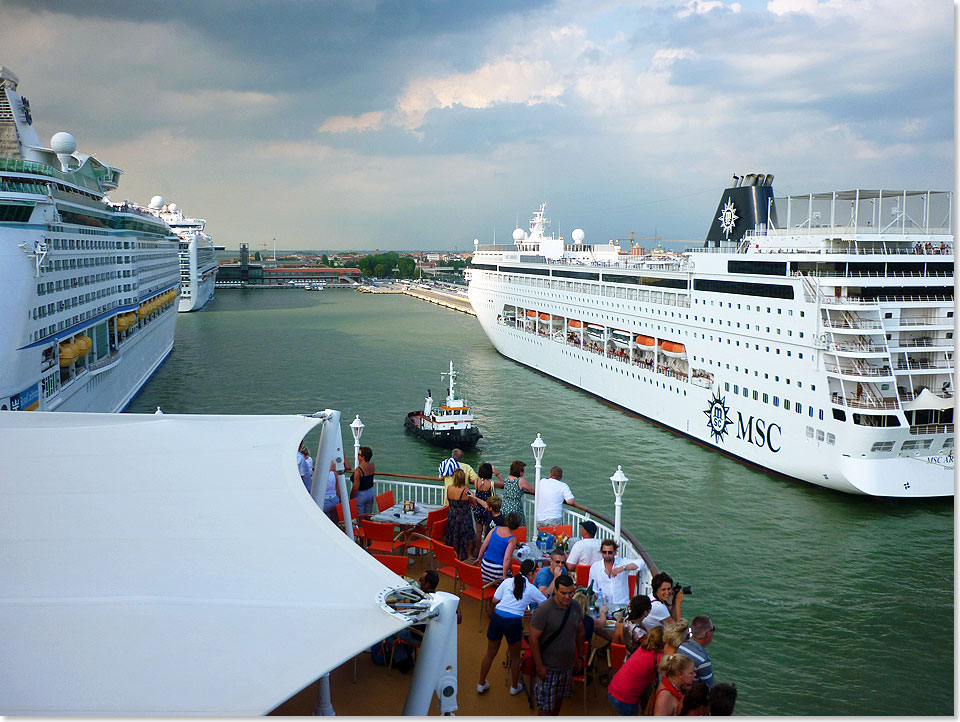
(88, 287)
(810, 335)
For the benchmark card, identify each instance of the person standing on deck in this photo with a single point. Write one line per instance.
(552, 493)
(701, 634)
(556, 638)
(611, 574)
(587, 549)
(304, 468)
(448, 466)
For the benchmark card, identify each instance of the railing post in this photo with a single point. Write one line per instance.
(538, 446)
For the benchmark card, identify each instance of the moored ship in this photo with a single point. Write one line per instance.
(198, 255)
(449, 425)
(89, 286)
(810, 335)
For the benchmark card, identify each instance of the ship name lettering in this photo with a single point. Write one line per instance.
(758, 432)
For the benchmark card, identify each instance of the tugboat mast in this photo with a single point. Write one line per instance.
(451, 397)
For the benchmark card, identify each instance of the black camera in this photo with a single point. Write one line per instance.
(679, 587)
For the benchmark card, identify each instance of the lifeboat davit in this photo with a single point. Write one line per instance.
(646, 341)
(669, 348)
(69, 354)
(84, 345)
(573, 323)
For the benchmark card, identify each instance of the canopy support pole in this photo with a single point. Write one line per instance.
(331, 449)
(324, 706)
(436, 670)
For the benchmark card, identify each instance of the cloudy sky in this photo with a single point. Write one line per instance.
(422, 124)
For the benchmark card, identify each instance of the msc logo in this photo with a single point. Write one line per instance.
(758, 432)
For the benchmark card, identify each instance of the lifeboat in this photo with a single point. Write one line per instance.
(676, 350)
(573, 323)
(531, 313)
(646, 341)
(84, 345)
(546, 317)
(142, 312)
(69, 354)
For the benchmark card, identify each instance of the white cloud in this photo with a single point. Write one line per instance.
(502, 81)
(699, 7)
(782, 7)
(353, 123)
(665, 57)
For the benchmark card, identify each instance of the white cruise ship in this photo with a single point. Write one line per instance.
(198, 255)
(810, 335)
(88, 287)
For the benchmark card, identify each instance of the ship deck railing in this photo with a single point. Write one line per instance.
(856, 301)
(931, 429)
(430, 490)
(865, 403)
(885, 249)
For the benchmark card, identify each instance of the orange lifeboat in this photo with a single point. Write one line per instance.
(670, 348)
(531, 314)
(573, 323)
(646, 341)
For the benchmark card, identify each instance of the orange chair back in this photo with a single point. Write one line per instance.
(439, 531)
(583, 575)
(470, 575)
(433, 517)
(376, 531)
(565, 529)
(385, 501)
(396, 564)
(618, 653)
(632, 585)
(521, 534)
(353, 511)
(446, 555)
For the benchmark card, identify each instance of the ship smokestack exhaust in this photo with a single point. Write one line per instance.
(743, 207)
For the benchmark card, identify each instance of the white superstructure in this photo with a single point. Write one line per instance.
(198, 255)
(88, 288)
(810, 335)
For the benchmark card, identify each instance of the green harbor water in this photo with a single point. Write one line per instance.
(824, 603)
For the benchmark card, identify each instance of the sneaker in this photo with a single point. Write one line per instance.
(481, 688)
(517, 690)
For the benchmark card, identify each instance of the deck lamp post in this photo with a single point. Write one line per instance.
(356, 428)
(619, 482)
(538, 446)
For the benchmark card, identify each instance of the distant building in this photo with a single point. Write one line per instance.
(254, 274)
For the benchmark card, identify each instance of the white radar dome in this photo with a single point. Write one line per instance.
(172, 207)
(63, 142)
(156, 202)
(519, 234)
(577, 235)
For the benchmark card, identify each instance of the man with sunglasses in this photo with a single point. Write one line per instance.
(610, 575)
(701, 633)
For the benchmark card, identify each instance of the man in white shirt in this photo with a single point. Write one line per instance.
(587, 549)
(551, 495)
(610, 575)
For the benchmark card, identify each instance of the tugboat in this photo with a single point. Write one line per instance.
(449, 425)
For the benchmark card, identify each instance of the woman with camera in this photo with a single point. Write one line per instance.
(667, 601)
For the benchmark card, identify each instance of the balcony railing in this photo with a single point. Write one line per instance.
(932, 429)
(863, 371)
(430, 490)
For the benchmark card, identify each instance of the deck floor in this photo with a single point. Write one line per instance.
(380, 690)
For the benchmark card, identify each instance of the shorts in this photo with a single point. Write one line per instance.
(549, 691)
(622, 708)
(501, 626)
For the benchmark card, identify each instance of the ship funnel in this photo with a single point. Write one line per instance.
(64, 145)
(744, 206)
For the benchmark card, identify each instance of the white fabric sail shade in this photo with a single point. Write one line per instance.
(170, 565)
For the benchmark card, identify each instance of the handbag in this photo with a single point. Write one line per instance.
(527, 665)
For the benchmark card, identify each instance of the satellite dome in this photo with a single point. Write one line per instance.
(172, 207)
(577, 235)
(156, 202)
(519, 234)
(63, 143)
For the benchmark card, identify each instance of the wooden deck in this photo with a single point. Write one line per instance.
(380, 690)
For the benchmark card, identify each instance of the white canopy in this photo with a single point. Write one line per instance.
(170, 565)
(926, 399)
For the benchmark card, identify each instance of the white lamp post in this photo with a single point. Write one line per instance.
(356, 428)
(538, 446)
(619, 481)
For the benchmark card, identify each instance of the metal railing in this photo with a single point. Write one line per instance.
(865, 371)
(430, 490)
(932, 429)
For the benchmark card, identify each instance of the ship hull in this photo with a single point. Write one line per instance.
(752, 433)
(452, 439)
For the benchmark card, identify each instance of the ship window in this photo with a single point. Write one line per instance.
(820, 435)
(831, 439)
(809, 432)
(912, 444)
(726, 385)
(798, 407)
(821, 414)
(745, 392)
(776, 401)
(948, 444)
(755, 395)
(766, 398)
(839, 415)
(736, 389)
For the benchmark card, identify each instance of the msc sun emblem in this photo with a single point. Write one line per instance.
(717, 419)
(728, 218)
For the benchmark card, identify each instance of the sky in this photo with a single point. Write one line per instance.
(423, 124)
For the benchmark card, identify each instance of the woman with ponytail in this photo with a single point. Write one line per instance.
(677, 674)
(513, 596)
